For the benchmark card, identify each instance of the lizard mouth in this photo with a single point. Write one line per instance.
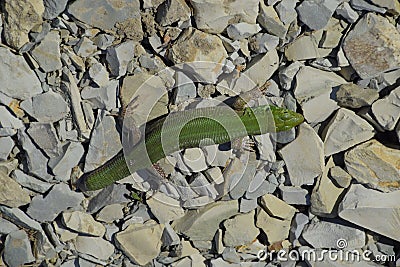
(285, 119)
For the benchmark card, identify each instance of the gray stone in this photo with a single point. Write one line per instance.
(287, 74)
(325, 194)
(353, 96)
(6, 145)
(387, 110)
(286, 10)
(203, 187)
(141, 242)
(302, 48)
(110, 15)
(111, 213)
(165, 208)
(172, 11)
(360, 204)
(104, 143)
(374, 164)
(16, 78)
(185, 88)
(45, 137)
(340, 177)
(247, 205)
(112, 194)
(85, 47)
(53, 8)
(328, 235)
(119, 56)
(36, 162)
(303, 170)
(372, 46)
(240, 230)
(99, 74)
(47, 53)
(261, 184)
(263, 42)
(81, 222)
(7, 227)
(94, 246)
(46, 107)
(104, 97)
(169, 237)
(294, 195)
(275, 229)
(103, 40)
(30, 182)
(345, 10)
(11, 193)
(230, 255)
(20, 18)
(62, 165)
(242, 30)
(203, 223)
(345, 130)
(17, 249)
(269, 20)
(392, 6)
(324, 9)
(364, 5)
(314, 95)
(60, 198)
(299, 221)
(222, 13)
(194, 159)
(277, 207)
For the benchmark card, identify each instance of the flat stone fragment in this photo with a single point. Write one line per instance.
(11, 193)
(269, 20)
(374, 164)
(263, 42)
(303, 169)
(286, 10)
(294, 195)
(104, 97)
(110, 195)
(214, 16)
(99, 74)
(17, 249)
(360, 203)
(345, 130)
(47, 53)
(107, 14)
(45, 137)
(387, 110)
(366, 6)
(46, 107)
(22, 17)
(8, 120)
(141, 243)
(111, 213)
(275, 229)
(119, 56)
(165, 208)
(202, 224)
(94, 246)
(172, 11)
(353, 96)
(194, 159)
(16, 78)
(299, 221)
(345, 10)
(53, 8)
(243, 30)
(325, 194)
(60, 198)
(277, 207)
(104, 143)
(326, 235)
(302, 48)
(340, 177)
(240, 230)
(373, 46)
(6, 145)
(315, 95)
(307, 11)
(392, 6)
(35, 160)
(85, 48)
(82, 223)
(30, 182)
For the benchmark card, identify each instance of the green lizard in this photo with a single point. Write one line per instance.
(187, 129)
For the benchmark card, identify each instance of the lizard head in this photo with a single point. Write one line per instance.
(285, 119)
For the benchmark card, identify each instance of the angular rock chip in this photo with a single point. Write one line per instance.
(373, 46)
(83, 223)
(94, 246)
(275, 229)
(269, 20)
(303, 170)
(47, 53)
(360, 204)
(53, 8)
(353, 96)
(307, 11)
(345, 130)
(172, 11)
(374, 164)
(11, 193)
(387, 110)
(16, 78)
(17, 249)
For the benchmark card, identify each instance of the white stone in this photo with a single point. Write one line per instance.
(387, 110)
(345, 130)
(195, 160)
(303, 169)
(361, 204)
